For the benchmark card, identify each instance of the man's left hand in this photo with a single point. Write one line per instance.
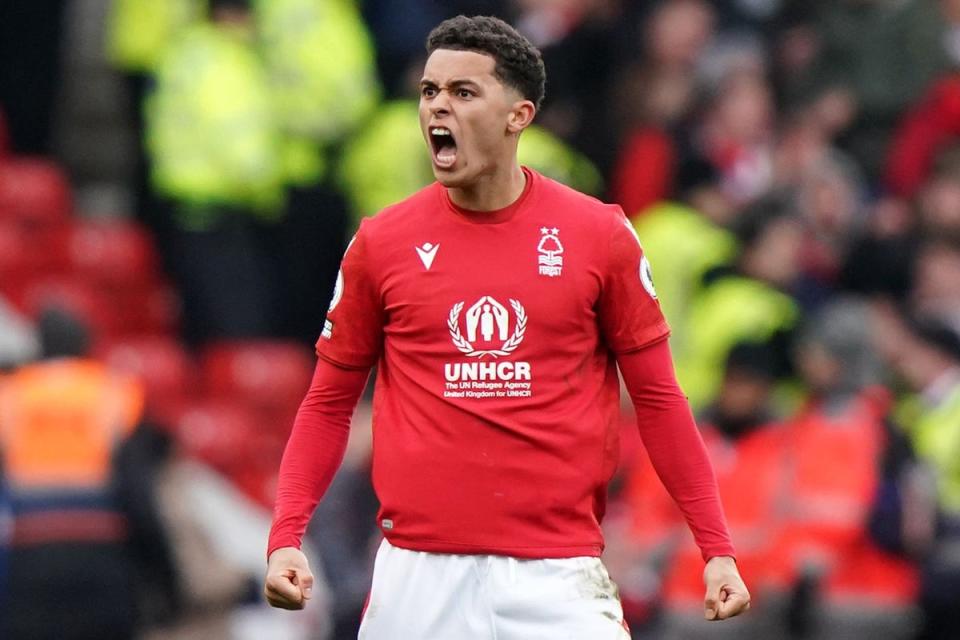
(727, 595)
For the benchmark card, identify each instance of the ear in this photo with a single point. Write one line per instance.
(521, 115)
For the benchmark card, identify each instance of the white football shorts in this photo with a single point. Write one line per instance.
(435, 596)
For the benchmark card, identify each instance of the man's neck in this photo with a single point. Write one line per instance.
(491, 192)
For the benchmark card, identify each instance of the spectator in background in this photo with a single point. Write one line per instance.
(319, 100)
(879, 55)
(748, 300)
(584, 42)
(734, 136)
(85, 539)
(844, 584)
(927, 356)
(685, 245)
(747, 449)
(938, 201)
(935, 294)
(138, 33)
(216, 160)
(829, 198)
(658, 95)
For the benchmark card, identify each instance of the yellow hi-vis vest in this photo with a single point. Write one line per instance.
(321, 66)
(936, 439)
(728, 311)
(681, 246)
(211, 130)
(138, 31)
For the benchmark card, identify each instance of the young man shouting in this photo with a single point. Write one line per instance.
(497, 305)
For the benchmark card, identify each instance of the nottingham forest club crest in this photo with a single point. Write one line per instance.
(550, 250)
(487, 328)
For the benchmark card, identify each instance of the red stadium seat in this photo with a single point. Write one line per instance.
(219, 433)
(112, 252)
(269, 375)
(145, 309)
(164, 367)
(35, 191)
(229, 439)
(76, 296)
(16, 256)
(28, 252)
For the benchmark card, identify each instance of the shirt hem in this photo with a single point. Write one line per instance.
(532, 553)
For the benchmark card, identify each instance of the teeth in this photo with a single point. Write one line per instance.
(440, 131)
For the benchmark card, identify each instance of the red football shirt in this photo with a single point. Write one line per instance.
(496, 405)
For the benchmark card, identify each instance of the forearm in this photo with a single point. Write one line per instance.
(314, 451)
(674, 445)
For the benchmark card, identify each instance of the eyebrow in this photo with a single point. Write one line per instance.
(459, 82)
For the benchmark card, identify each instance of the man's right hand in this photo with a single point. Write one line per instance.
(289, 582)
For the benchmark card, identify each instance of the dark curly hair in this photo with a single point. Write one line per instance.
(518, 63)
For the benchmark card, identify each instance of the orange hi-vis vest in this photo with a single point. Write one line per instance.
(750, 481)
(61, 422)
(833, 467)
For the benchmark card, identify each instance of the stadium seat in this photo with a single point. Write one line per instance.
(16, 256)
(28, 252)
(229, 439)
(164, 367)
(143, 309)
(219, 433)
(112, 252)
(268, 375)
(75, 295)
(34, 190)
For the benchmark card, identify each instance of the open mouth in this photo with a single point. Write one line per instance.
(444, 147)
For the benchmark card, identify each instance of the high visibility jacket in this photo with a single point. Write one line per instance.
(321, 66)
(727, 311)
(388, 159)
(138, 31)
(211, 131)
(681, 245)
(749, 471)
(795, 495)
(60, 425)
(936, 439)
(833, 471)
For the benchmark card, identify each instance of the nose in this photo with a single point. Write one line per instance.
(440, 105)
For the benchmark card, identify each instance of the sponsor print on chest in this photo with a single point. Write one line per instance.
(485, 333)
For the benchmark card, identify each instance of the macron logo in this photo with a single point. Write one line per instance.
(427, 253)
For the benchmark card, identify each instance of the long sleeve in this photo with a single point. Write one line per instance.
(674, 445)
(315, 450)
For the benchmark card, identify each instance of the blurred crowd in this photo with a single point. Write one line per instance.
(792, 169)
